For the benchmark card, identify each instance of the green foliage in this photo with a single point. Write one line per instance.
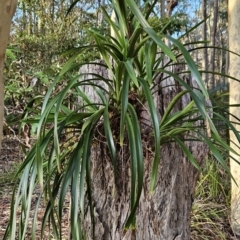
(41, 33)
(175, 24)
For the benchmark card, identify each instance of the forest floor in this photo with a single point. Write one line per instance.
(11, 157)
(210, 220)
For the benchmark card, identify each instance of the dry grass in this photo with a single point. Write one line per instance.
(210, 212)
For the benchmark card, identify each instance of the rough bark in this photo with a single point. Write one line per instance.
(165, 214)
(7, 9)
(234, 71)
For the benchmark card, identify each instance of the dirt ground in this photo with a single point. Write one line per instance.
(11, 156)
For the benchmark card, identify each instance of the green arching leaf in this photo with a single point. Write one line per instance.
(45, 111)
(198, 98)
(89, 189)
(85, 169)
(111, 23)
(114, 52)
(133, 159)
(188, 111)
(86, 99)
(124, 106)
(58, 106)
(187, 152)
(110, 141)
(229, 124)
(119, 74)
(102, 50)
(150, 9)
(120, 9)
(28, 195)
(194, 27)
(50, 210)
(139, 149)
(101, 95)
(15, 204)
(196, 95)
(76, 168)
(134, 127)
(150, 56)
(215, 152)
(171, 105)
(155, 122)
(160, 43)
(96, 78)
(131, 72)
(34, 222)
(136, 11)
(72, 166)
(73, 4)
(39, 164)
(46, 107)
(133, 41)
(192, 67)
(176, 131)
(92, 119)
(140, 48)
(147, 28)
(68, 65)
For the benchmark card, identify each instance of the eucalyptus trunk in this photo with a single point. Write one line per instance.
(234, 71)
(7, 9)
(163, 214)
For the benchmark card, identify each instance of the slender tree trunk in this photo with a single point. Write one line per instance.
(162, 8)
(31, 28)
(24, 16)
(7, 9)
(204, 36)
(213, 43)
(234, 71)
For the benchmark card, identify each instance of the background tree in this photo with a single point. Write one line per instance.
(213, 43)
(234, 45)
(204, 37)
(7, 9)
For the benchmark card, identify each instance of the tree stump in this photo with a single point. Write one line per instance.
(164, 214)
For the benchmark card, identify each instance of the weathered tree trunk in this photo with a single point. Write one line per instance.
(165, 214)
(7, 9)
(234, 71)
